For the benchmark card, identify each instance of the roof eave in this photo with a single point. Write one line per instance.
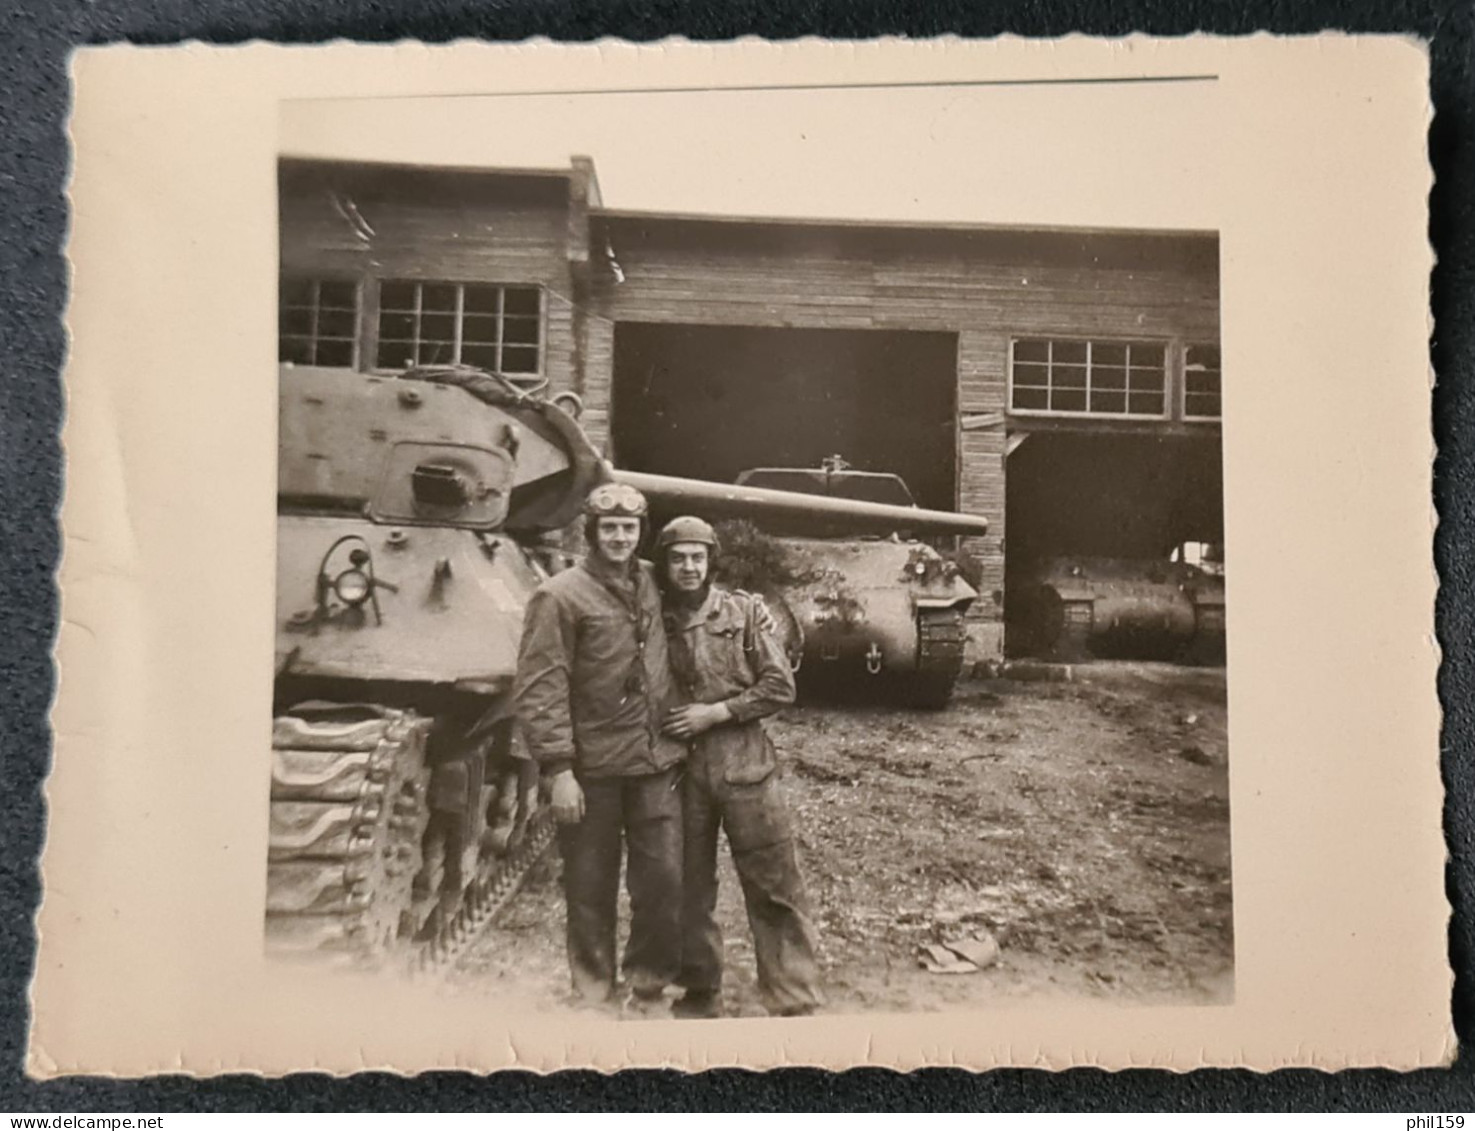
(650, 217)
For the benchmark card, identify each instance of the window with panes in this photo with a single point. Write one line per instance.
(1201, 383)
(1087, 377)
(317, 321)
(499, 328)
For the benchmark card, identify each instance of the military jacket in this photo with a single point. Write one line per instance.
(721, 653)
(593, 673)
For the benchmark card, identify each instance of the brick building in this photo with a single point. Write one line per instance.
(1063, 382)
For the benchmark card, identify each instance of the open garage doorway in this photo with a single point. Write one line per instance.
(708, 402)
(1100, 527)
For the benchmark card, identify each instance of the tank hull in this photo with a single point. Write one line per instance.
(447, 610)
(1074, 609)
(838, 549)
(883, 612)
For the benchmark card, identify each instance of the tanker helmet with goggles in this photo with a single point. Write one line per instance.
(615, 500)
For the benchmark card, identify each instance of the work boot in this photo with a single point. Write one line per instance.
(593, 997)
(798, 1011)
(698, 1005)
(644, 1005)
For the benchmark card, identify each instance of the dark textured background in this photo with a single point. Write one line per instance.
(36, 37)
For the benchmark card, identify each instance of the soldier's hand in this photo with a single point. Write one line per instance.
(566, 798)
(695, 719)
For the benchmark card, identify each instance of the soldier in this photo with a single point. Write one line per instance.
(733, 671)
(593, 687)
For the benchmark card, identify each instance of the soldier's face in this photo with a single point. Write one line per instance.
(616, 538)
(686, 566)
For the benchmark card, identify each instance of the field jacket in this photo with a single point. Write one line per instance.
(593, 674)
(720, 653)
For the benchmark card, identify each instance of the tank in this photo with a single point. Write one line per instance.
(1079, 608)
(838, 552)
(417, 513)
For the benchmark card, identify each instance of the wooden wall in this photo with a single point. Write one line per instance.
(983, 286)
(460, 228)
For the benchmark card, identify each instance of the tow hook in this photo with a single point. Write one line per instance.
(873, 659)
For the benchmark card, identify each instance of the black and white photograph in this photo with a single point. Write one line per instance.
(684, 612)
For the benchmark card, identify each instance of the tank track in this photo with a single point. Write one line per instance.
(348, 813)
(941, 638)
(498, 880)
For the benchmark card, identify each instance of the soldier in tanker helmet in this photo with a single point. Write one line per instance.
(732, 671)
(593, 689)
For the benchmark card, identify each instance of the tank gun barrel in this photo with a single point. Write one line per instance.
(726, 500)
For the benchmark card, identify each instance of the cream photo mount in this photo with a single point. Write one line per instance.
(1306, 156)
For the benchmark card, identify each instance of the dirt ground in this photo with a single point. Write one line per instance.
(1082, 825)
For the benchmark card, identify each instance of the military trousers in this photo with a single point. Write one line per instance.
(638, 817)
(756, 821)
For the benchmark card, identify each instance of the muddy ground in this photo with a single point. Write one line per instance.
(1083, 825)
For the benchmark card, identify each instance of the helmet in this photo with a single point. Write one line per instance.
(687, 528)
(615, 500)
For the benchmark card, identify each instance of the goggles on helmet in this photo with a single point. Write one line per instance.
(615, 500)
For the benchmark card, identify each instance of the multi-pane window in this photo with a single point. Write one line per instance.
(1088, 378)
(317, 321)
(492, 327)
(1201, 383)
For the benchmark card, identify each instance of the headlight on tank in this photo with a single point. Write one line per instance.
(352, 587)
